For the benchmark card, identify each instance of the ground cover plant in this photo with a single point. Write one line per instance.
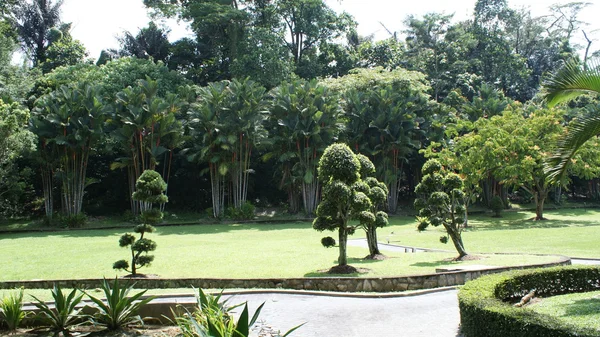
(239, 251)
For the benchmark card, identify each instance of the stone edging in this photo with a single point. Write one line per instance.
(336, 284)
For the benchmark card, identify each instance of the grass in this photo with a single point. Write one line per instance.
(582, 309)
(225, 251)
(571, 232)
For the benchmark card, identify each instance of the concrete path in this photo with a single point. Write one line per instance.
(433, 314)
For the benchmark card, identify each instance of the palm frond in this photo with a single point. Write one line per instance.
(571, 81)
(578, 133)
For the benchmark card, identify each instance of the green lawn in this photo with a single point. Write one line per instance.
(227, 251)
(571, 232)
(581, 309)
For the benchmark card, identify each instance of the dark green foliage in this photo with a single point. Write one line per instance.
(496, 205)
(486, 304)
(213, 318)
(346, 196)
(246, 212)
(118, 310)
(150, 189)
(64, 314)
(73, 220)
(11, 310)
(441, 201)
(339, 163)
(328, 242)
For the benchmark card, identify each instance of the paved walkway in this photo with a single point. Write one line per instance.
(434, 314)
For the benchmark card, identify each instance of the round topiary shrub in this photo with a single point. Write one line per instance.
(487, 304)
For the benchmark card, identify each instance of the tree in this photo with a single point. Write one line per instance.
(63, 50)
(441, 201)
(33, 22)
(150, 188)
(569, 82)
(69, 122)
(146, 128)
(378, 194)
(387, 114)
(303, 121)
(344, 198)
(15, 143)
(149, 42)
(226, 125)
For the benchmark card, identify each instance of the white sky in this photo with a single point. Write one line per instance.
(96, 23)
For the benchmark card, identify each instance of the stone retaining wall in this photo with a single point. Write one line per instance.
(341, 284)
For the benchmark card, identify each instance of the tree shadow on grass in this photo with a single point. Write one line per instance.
(589, 306)
(432, 264)
(359, 263)
(160, 230)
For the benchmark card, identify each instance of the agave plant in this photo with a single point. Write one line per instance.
(64, 314)
(119, 309)
(11, 308)
(213, 318)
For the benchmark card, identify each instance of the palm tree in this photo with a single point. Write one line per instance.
(304, 120)
(70, 122)
(147, 129)
(568, 83)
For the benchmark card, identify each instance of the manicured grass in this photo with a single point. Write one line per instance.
(571, 232)
(581, 309)
(225, 251)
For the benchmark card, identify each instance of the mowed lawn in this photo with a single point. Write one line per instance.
(571, 232)
(225, 251)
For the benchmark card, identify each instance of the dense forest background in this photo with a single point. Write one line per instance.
(240, 113)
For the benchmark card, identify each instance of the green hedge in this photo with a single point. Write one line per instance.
(487, 304)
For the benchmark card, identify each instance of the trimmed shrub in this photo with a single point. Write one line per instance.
(486, 304)
(496, 205)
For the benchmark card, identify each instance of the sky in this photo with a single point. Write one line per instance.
(97, 23)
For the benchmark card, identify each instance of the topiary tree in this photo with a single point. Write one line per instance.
(377, 192)
(441, 201)
(343, 199)
(150, 189)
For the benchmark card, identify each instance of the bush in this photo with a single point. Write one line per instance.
(486, 304)
(64, 314)
(246, 212)
(496, 205)
(328, 242)
(73, 221)
(11, 310)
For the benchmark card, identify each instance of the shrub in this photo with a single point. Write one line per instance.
(11, 310)
(213, 318)
(118, 309)
(63, 315)
(496, 205)
(486, 304)
(73, 221)
(246, 212)
(328, 242)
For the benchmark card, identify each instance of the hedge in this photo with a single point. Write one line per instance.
(487, 304)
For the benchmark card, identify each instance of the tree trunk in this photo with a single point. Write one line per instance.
(457, 241)
(133, 269)
(540, 198)
(343, 241)
(372, 240)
